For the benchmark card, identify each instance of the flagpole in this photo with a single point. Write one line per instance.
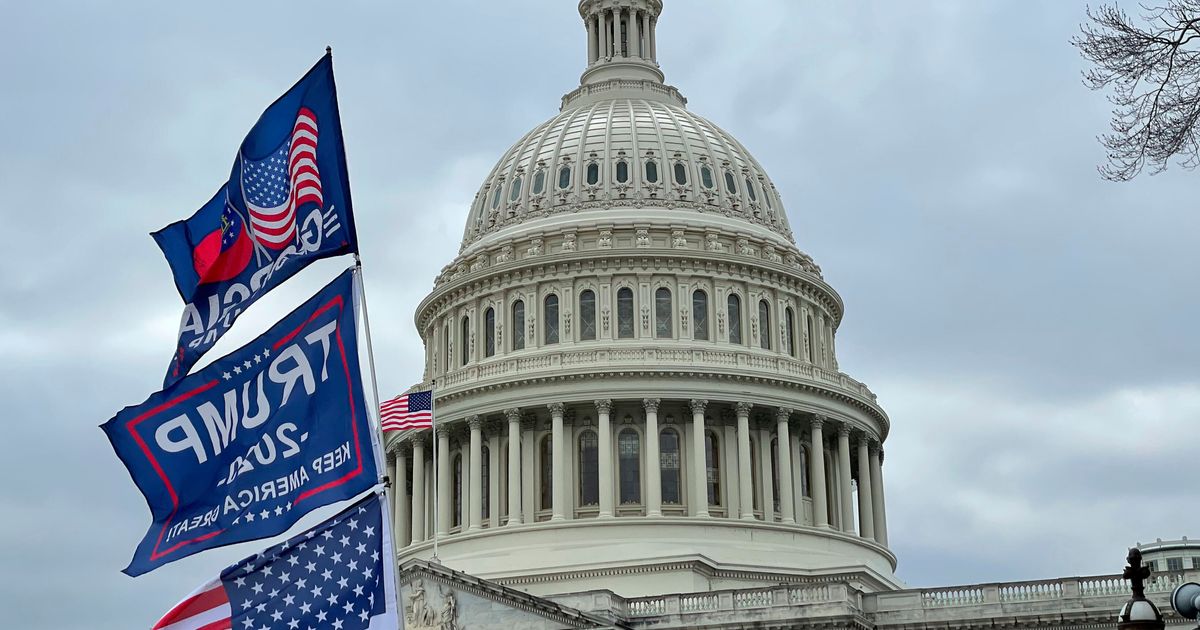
(436, 476)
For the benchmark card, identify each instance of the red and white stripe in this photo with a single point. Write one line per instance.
(395, 416)
(276, 227)
(206, 609)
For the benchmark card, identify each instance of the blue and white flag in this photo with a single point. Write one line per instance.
(286, 204)
(246, 446)
(339, 574)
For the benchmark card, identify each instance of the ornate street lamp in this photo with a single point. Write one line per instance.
(1138, 613)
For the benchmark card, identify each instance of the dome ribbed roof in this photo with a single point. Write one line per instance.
(657, 141)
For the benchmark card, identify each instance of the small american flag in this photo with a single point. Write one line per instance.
(332, 576)
(410, 411)
(275, 186)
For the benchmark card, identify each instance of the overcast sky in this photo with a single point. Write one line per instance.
(1030, 328)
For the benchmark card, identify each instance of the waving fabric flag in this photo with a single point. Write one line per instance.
(410, 411)
(338, 575)
(285, 205)
(243, 448)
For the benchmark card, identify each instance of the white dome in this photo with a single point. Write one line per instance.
(641, 149)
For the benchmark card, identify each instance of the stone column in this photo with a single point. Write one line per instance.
(767, 487)
(645, 19)
(654, 39)
(653, 463)
(558, 437)
(785, 465)
(514, 465)
(817, 478)
(745, 482)
(877, 507)
(603, 23)
(418, 495)
(635, 38)
(445, 498)
(494, 475)
(593, 39)
(476, 472)
(846, 495)
(699, 465)
(604, 446)
(866, 517)
(529, 495)
(400, 497)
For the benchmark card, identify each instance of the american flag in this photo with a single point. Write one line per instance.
(410, 411)
(281, 182)
(331, 576)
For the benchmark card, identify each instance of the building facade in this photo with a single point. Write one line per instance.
(640, 416)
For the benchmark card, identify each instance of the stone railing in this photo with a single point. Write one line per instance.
(741, 599)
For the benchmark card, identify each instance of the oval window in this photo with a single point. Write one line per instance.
(706, 177)
(593, 174)
(622, 172)
(750, 189)
(516, 190)
(539, 182)
(730, 183)
(680, 173)
(564, 177)
(652, 172)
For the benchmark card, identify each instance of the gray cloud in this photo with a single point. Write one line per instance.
(1028, 327)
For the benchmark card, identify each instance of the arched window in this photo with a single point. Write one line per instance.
(652, 171)
(485, 472)
(755, 499)
(706, 177)
(735, 319)
(804, 491)
(625, 313)
(517, 333)
(593, 174)
(662, 313)
(465, 340)
(550, 319)
(589, 469)
(539, 181)
(489, 332)
(680, 173)
(812, 341)
(668, 465)
(546, 451)
(764, 325)
(750, 189)
(700, 314)
(629, 466)
(730, 183)
(496, 197)
(446, 346)
(767, 197)
(622, 172)
(564, 177)
(458, 498)
(712, 464)
(587, 315)
(791, 331)
(775, 473)
(515, 191)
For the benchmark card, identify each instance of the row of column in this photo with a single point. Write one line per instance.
(872, 523)
(604, 35)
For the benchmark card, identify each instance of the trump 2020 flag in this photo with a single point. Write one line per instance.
(286, 204)
(246, 446)
(337, 575)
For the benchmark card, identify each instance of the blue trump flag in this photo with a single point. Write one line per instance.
(247, 445)
(286, 204)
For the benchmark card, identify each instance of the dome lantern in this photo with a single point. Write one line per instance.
(622, 52)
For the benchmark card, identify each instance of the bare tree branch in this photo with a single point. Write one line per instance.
(1152, 69)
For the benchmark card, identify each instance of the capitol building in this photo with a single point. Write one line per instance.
(640, 418)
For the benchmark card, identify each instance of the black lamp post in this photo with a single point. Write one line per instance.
(1138, 613)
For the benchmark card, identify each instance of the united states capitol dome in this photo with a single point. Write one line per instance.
(634, 368)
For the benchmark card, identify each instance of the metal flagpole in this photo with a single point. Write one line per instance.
(436, 476)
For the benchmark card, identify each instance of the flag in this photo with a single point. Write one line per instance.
(336, 575)
(286, 204)
(410, 411)
(243, 448)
